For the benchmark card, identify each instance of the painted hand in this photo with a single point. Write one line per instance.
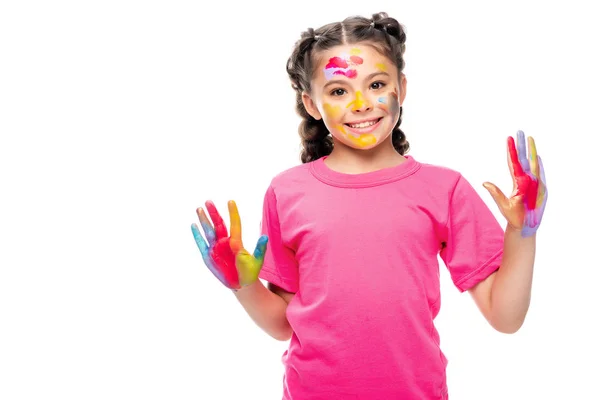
(525, 207)
(225, 256)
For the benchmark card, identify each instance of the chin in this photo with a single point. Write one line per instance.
(367, 147)
(367, 144)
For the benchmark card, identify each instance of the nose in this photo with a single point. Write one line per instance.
(360, 104)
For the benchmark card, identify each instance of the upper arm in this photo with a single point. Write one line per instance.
(474, 239)
(284, 294)
(280, 266)
(482, 295)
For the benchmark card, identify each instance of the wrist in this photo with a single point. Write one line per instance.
(512, 229)
(245, 288)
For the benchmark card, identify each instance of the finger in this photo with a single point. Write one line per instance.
(206, 227)
(235, 226)
(542, 193)
(248, 269)
(542, 173)
(261, 248)
(522, 151)
(533, 157)
(204, 250)
(220, 228)
(514, 163)
(202, 246)
(499, 197)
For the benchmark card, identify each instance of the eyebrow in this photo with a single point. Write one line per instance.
(368, 78)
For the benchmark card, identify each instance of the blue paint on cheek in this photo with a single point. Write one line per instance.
(381, 100)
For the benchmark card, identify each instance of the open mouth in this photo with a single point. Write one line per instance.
(363, 127)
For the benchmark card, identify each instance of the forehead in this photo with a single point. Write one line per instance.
(351, 57)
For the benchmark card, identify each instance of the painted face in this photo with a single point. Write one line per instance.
(356, 90)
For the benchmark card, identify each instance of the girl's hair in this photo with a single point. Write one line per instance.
(383, 32)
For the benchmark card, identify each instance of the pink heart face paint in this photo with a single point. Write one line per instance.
(357, 95)
(342, 65)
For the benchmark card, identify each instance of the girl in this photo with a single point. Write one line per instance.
(354, 232)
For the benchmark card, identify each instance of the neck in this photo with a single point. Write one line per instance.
(355, 161)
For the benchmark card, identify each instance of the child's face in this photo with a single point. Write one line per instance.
(357, 92)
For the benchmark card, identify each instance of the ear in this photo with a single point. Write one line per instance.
(402, 88)
(310, 106)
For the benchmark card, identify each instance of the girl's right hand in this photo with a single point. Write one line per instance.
(225, 256)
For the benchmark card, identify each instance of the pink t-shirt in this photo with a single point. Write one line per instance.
(360, 252)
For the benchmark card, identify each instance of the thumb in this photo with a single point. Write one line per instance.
(247, 266)
(499, 197)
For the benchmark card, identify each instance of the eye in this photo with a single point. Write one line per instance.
(377, 85)
(338, 92)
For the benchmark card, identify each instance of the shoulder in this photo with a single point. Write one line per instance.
(292, 178)
(439, 176)
(453, 183)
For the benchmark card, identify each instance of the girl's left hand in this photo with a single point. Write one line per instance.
(525, 207)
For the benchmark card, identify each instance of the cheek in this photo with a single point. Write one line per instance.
(394, 103)
(332, 112)
(389, 103)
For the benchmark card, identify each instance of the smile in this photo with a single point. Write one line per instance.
(363, 127)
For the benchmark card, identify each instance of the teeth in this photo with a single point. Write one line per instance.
(363, 124)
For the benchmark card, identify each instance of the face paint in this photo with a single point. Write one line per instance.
(381, 67)
(394, 104)
(358, 102)
(365, 140)
(342, 65)
(334, 112)
(225, 256)
(390, 105)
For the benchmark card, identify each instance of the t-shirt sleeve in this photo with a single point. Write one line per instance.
(474, 239)
(279, 266)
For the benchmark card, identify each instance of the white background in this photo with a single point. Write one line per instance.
(119, 118)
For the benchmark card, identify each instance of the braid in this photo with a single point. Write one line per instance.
(313, 133)
(316, 141)
(399, 138)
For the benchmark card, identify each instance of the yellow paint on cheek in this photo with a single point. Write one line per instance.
(381, 67)
(358, 102)
(332, 111)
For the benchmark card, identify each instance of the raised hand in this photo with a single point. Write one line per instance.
(225, 256)
(525, 207)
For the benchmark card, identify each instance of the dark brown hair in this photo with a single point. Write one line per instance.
(382, 31)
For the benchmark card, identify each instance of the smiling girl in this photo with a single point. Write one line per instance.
(355, 231)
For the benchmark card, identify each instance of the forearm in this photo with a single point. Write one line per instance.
(267, 309)
(511, 290)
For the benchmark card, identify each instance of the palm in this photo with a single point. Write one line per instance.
(225, 255)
